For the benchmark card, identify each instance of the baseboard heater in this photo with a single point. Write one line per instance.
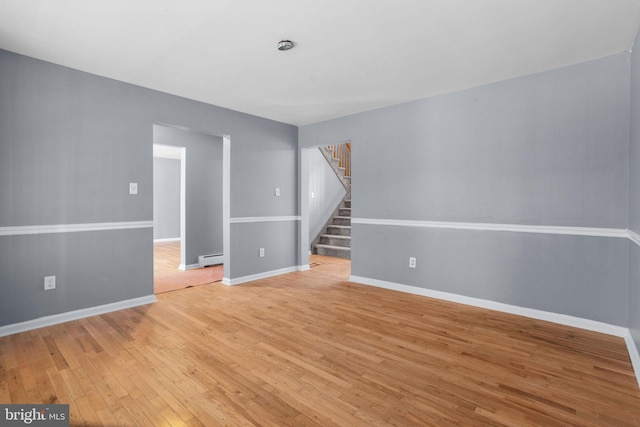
(212, 259)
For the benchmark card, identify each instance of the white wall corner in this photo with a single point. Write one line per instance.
(304, 267)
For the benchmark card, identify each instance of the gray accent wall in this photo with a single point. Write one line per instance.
(267, 236)
(562, 274)
(91, 268)
(325, 192)
(166, 198)
(70, 144)
(634, 196)
(203, 198)
(548, 149)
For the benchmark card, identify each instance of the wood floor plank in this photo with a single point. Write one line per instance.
(311, 348)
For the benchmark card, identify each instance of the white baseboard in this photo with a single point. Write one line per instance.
(633, 355)
(170, 239)
(74, 315)
(562, 319)
(188, 267)
(252, 277)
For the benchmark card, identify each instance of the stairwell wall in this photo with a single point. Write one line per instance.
(544, 150)
(325, 192)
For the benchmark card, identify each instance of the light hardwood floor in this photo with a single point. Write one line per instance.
(166, 257)
(167, 276)
(310, 348)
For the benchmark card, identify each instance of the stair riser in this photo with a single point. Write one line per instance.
(335, 241)
(339, 231)
(347, 204)
(341, 221)
(334, 253)
(344, 212)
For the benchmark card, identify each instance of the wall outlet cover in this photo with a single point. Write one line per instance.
(133, 188)
(49, 283)
(412, 262)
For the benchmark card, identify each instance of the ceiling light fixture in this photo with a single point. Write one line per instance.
(285, 45)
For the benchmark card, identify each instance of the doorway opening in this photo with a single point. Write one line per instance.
(326, 204)
(190, 207)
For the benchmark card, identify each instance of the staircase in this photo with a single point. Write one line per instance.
(335, 238)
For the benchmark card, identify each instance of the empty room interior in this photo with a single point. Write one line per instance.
(396, 213)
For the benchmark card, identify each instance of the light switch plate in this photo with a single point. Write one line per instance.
(261, 253)
(412, 262)
(133, 188)
(277, 192)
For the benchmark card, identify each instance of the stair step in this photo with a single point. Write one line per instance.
(339, 230)
(333, 240)
(344, 212)
(342, 220)
(347, 204)
(336, 251)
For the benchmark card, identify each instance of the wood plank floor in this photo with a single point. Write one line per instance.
(310, 348)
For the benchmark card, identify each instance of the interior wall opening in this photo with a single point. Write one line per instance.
(326, 203)
(199, 249)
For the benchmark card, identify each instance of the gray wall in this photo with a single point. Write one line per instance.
(277, 252)
(545, 149)
(634, 196)
(203, 197)
(70, 142)
(166, 198)
(327, 191)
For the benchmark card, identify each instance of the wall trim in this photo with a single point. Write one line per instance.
(633, 354)
(634, 237)
(563, 319)
(187, 267)
(170, 239)
(73, 228)
(266, 274)
(74, 315)
(518, 228)
(239, 220)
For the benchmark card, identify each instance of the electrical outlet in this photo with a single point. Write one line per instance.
(412, 262)
(261, 252)
(277, 192)
(49, 283)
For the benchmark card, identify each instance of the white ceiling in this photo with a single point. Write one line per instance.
(350, 55)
